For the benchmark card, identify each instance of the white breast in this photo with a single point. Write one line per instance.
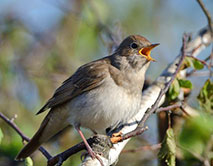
(103, 107)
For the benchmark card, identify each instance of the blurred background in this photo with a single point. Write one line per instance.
(42, 42)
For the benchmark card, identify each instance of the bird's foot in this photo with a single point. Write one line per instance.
(116, 137)
(89, 149)
(93, 155)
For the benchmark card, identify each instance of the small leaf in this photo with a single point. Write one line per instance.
(174, 90)
(194, 63)
(197, 64)
(168, 148)
(185, 83)
(1, 135)
(205, 96)
(28, 162)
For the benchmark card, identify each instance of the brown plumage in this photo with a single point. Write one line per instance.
(100, 94)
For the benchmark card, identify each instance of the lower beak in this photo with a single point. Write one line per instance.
(146, 51)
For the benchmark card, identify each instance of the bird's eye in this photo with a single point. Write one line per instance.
(134, 45)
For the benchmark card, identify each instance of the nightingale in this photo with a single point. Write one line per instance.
(99, 95)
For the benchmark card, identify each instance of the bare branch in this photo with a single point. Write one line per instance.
(61, 157)
(24, 137)
(208, 16)
(170, 107)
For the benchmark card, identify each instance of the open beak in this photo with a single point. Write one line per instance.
(146, 51)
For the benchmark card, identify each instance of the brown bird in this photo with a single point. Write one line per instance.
(99, 95)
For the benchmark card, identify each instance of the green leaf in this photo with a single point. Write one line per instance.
(174, 90)
(168, 148)
(1, 135)
(185, 83)
(194, 63)
(205, 96)
(28, 162)
(197, 64)
(195, 134)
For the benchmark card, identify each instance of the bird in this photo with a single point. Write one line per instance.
(99, 95)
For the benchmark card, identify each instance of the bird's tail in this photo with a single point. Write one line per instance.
(28, 149)
(34, 143)
(50, 126)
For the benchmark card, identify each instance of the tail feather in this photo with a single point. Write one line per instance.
(55, 121)
(34, 143)
(32, 146)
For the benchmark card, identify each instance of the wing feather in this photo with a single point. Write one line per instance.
(87, 77)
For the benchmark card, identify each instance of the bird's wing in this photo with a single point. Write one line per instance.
(87, 77)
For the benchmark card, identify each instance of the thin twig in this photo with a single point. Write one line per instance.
(140, 128)
(206, 59)
(170, 107)
(208, 16)
(184, 111)
(24, 137)
(202, 73)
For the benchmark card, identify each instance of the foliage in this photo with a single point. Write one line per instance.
(185, 83)
(179, 83)
(195, 135)
(176, 86)
(28, 162)
(168, 148)
(174, 90)
(205, 96)
(1, 135)
(194, 63)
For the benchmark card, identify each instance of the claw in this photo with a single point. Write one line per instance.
(118, 134)
(94, 155)
(116, 137)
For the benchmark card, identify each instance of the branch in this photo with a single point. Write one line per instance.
(93, 141)
(24, 137)
(208, 16)
(170, 107)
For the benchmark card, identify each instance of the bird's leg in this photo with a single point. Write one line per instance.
(89, 149)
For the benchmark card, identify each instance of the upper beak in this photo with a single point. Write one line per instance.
(146, 51)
